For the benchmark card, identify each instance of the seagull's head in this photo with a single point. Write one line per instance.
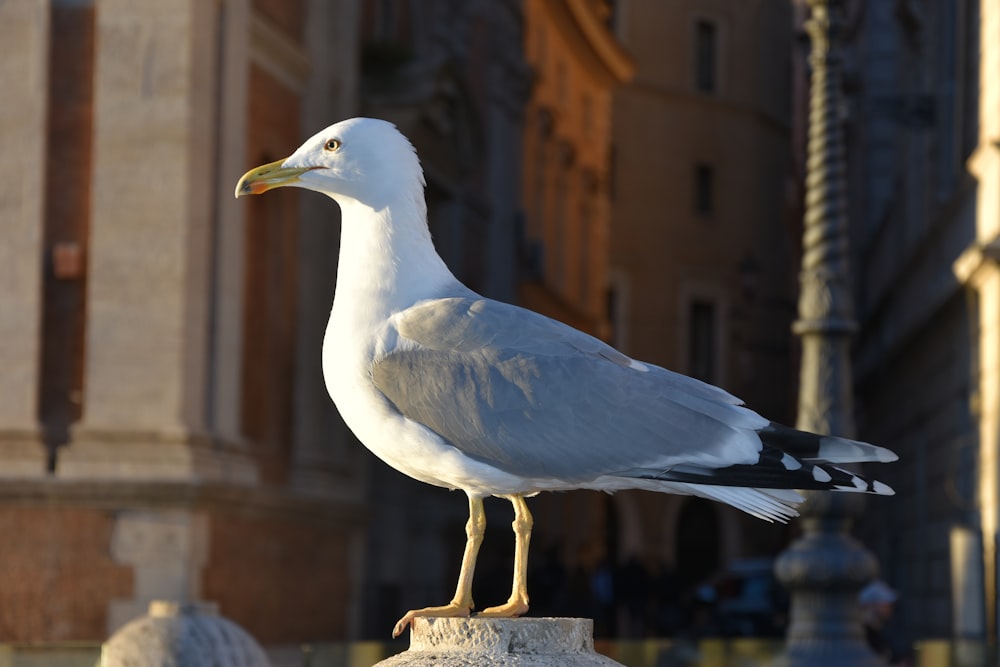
(363, 159)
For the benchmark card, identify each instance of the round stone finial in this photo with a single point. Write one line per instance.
(182, 634)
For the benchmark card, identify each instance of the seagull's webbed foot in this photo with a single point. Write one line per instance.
(451, 610)
(510, 609)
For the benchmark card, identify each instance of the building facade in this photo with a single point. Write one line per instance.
(924, 174)
(163, 433)
(703, 239)
(577, 64)
(165, 429)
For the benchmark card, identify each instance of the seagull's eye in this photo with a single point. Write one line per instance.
(332, 145)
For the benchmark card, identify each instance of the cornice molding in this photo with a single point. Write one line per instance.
(614, 61)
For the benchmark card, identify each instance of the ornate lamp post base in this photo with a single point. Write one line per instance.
(826, 568)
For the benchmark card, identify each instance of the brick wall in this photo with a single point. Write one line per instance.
(284, 580)
(56, 574)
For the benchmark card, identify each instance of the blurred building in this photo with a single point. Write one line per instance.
(703, 239)
(163, 433)
(623, 166)
(451, 74)
(164, 427)
(577, 65)
(922, 125)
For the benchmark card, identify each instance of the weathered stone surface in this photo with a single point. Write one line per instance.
(526, 642)
(182, 635)
(24, 33)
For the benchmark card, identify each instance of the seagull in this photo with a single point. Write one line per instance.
(464, 392)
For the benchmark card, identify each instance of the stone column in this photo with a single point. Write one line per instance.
(228, 259)
(24, 68)
(979, 270)
(528, 642)
(826, 568)
(985, 166)
(145, 400)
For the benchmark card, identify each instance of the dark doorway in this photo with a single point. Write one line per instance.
(697, 542)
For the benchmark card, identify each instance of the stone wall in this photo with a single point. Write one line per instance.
(916, 203)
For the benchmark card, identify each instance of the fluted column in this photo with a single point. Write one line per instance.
(826, 568)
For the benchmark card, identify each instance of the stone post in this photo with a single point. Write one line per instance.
(526, 642)
(826, 568)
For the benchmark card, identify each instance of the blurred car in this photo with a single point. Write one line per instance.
(749, 600)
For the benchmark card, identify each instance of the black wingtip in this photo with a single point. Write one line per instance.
(822, 448)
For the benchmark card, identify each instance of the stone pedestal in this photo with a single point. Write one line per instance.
(526, 642)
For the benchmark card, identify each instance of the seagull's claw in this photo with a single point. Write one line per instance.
(450, 610)
(513, 608)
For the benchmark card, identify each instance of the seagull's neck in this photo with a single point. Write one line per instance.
(387, 263)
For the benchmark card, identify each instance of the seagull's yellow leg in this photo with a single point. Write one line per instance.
(518, 602)
(461, 604)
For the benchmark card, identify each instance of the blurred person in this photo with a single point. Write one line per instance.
(878, 603)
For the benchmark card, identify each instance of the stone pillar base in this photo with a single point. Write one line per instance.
(152, 456)
(525, 642)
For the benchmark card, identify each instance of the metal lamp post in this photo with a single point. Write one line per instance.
(826, 568)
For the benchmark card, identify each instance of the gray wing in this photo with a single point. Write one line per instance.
(536, 398)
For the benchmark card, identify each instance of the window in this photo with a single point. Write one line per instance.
(705, 56)
(704, 189)
(702, 360)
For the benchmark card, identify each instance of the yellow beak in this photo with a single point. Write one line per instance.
(267, 177)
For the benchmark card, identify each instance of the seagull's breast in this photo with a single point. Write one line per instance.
(406, 445)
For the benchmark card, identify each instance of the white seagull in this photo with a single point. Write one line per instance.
(464, 392)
